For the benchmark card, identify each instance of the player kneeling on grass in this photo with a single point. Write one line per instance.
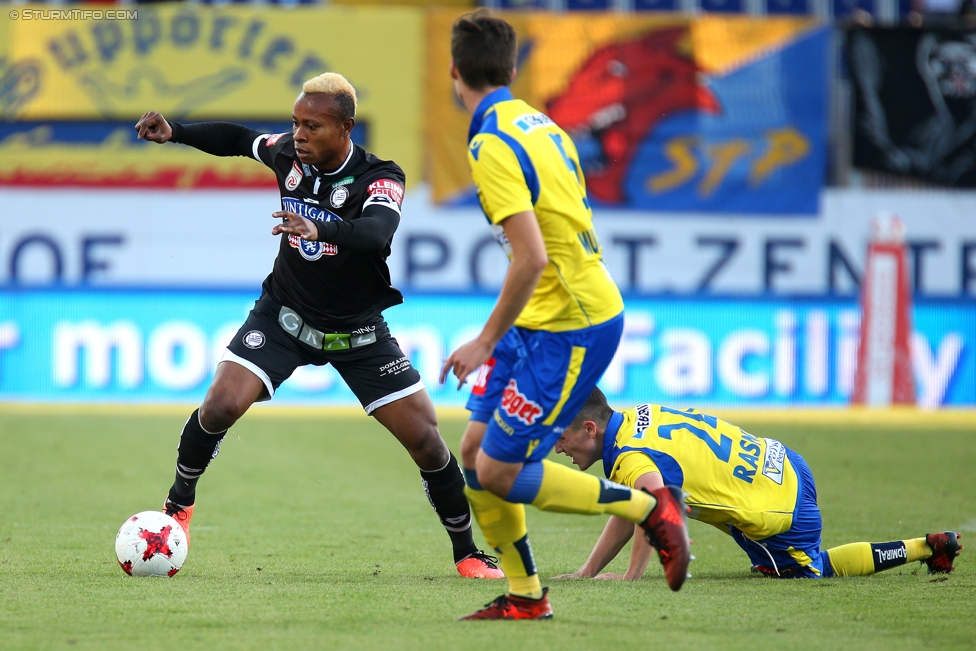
(755, 489)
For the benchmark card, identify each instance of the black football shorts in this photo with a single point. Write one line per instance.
(378, 373)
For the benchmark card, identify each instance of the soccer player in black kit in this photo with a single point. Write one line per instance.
(323, 302)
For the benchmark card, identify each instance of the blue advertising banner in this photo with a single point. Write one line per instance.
(163, 346)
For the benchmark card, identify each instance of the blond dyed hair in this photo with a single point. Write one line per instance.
(337, 87)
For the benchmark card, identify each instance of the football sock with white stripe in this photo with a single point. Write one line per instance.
(197, 449)
(445, 492)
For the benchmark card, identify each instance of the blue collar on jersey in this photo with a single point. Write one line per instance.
(502, 94)
(609, 442)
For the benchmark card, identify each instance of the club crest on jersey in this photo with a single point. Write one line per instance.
(392, 189)
(294, 177)
(311, 251)
(517, 405)
(339, 196)
(254, 339)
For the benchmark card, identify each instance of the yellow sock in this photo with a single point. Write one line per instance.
(503, 525)
(854, 559)
(570, 491)
(918, 549)
(861, 559)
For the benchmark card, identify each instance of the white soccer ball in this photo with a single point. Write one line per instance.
(151, 543)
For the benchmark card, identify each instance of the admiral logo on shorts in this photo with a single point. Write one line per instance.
(517, 405)
(254, 340)
(309, 250)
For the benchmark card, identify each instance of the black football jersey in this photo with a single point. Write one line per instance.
(332, 287)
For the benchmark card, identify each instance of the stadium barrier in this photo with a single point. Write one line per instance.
(222, 239)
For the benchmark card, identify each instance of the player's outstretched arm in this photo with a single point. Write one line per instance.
(640, 552)
(615, 535)
(640, 556)
(217, 138)
(529, 260)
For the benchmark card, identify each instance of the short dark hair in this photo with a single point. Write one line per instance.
(484, 49)
(596, 409)
(344, 105)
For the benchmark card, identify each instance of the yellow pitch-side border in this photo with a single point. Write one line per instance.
(894, 416)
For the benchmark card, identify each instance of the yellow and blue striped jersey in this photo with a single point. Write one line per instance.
(730, 476)
(521, 161)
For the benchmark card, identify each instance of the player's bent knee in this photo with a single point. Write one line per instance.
(431, 452)
(496, 483)
(220, 413)
(423, 442)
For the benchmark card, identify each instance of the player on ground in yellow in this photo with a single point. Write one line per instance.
(551, 335)
(755, 489)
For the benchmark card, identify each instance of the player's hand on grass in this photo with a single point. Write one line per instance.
(466, 360)
(610, 576)
(295, 225)
(153, 127)
(574, 575)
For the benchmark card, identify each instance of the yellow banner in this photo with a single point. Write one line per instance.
(194, 63)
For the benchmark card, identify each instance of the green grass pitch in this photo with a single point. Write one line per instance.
(312, 532)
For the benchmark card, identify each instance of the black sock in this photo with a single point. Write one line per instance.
(445, 491)
(198, 448)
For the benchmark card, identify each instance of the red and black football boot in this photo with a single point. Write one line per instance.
(667, 531)
(182, 515)
(479, 565)
(776, 573)
(509, 606)
(945, 548)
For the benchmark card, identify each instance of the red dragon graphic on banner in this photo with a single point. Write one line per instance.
(617, 97)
